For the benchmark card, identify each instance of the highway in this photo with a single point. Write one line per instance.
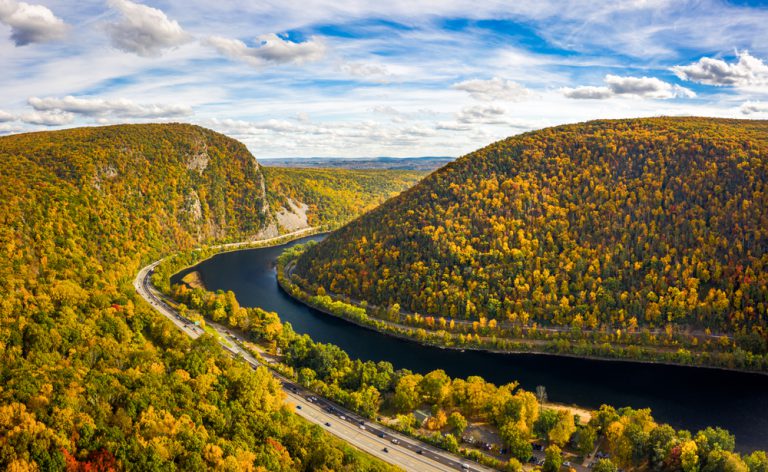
(375, 439)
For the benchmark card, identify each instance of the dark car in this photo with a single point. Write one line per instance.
(327, 423)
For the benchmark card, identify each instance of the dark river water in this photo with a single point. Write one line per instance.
(684, 397)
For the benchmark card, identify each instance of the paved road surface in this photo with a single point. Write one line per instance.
(372, 438)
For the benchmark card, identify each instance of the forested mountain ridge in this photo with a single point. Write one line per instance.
(332, 197)
(658, 223)
(90, 376)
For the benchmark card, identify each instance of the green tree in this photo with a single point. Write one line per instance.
(553, 459)
(757, 461)
(546, 421)
(516, 440)
(457, 423)
(434, 387)
(407, 397)
(563, 429)
(604, 465)
(587, 437)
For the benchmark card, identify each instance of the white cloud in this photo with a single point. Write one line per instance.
(747, 71)
(30, 23)
(5, 116)
(366, 70)
(749, 108)
(643, 87)
(588, 92)
(271, 49)
(99, 107)
(144, 30)
(46, 118)
(493, 89)
(481, 114)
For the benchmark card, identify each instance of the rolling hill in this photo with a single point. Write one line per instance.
(644, 231)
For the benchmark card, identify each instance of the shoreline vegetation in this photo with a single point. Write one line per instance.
(634, 238)
(468, 337)
(518, 417)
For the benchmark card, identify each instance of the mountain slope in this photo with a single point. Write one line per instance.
(331, 197)
(607, 225)
(90, 376)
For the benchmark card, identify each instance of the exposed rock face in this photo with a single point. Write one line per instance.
(107, 172)
(294, 217)
(193, 206)
(269, 231)
(199, 160)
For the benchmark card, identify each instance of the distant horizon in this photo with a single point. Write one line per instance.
(267, 158)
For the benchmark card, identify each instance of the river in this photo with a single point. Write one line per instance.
(684, 397)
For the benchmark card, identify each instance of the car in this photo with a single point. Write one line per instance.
(395, 441)
(327, 424)
(567, 464)
(419, 451)
(464, 466)
(298, 407)
(382, 435)
(342, 417)
(362, 427)
(385, 450)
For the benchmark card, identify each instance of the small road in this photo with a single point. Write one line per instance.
(373, 438)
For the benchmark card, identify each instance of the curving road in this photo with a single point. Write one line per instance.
(375, 439)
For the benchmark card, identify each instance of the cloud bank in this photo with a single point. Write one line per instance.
(747, 71)
(97, 107)
(638, 87)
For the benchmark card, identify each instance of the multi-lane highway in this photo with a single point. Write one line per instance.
(373, 438)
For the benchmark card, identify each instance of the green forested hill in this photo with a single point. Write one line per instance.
(335, 196)
(615, 226)
(90, 376)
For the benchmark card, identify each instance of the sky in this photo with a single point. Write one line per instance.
(360, 78)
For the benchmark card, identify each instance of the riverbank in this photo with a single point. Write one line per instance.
(356, 372)
(685, 397)
(359, 314)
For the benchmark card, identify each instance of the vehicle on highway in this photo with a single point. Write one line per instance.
(362, 427)
(327, 424)
(419, 451)
(382, 435)
(298, 407)
(395, 441)
(385, 450)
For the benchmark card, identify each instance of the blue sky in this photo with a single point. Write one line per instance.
(359, 78)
